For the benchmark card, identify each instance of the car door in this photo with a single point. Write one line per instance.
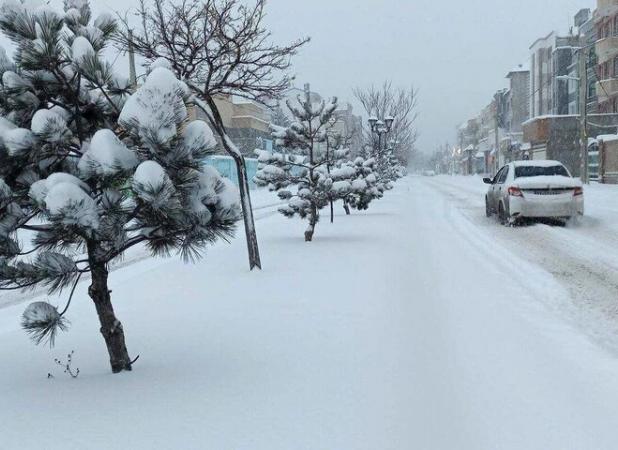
(501, 185)
(492, 194)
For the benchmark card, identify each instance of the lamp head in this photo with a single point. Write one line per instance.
(389, 122)
(373, 120)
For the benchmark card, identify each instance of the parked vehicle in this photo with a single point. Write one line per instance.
(429, 173)
(534, 189)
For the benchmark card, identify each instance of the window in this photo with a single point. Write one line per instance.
(540, 171)
(605, 70)
(592, 90)
(497, 177)
(616, 25)
(503, 174)
(615, 73)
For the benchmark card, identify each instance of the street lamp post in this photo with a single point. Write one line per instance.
(582, 79)
(380, 128)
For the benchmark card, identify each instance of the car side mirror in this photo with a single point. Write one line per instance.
(488, 181)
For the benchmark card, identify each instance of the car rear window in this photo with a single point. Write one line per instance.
(539, 171)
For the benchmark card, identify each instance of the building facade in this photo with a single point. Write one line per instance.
(516, 112)
(517, 109)
(468, 137)
(606, 24)
(247, 123)
(551, 58)
(350, 127)
(587, 32)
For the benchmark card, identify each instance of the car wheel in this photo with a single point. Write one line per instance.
(488, 211)
(502, 215)
(572, 220)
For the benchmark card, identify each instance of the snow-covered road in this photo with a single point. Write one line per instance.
(582, 257)
(419, 324)
(505, 368)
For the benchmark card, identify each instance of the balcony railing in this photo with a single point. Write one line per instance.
(607, 48)
(607, 89)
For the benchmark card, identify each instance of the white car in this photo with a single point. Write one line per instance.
(534, 189)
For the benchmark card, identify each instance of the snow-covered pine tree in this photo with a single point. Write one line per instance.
(279, 118)
(338, 155)
(304, 161)
(365, 185)
(218, 48)
(391, 167)
(90, 170)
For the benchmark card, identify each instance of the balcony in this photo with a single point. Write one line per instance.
(607, 48)
(605, 8)
(607, 88)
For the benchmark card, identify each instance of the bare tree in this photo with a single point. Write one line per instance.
(401, 103)
(218, 48)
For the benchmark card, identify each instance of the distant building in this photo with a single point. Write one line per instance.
(551, 57)
(293, 94)
(516, 112)
(468, 135)
(346, 123)
(246, 122)
(487, 133)
(350, 127)
(517, 101)
(606, 23)
(586, 30)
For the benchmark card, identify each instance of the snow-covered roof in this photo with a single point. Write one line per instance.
(479, 155)
(543, 40)
(519, 68)
(549, 116)
(469, 148)
(608, 137)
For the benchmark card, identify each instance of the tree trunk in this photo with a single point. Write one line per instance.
(346, 207)
(247, 210)
(332, 212)
(111, 328)
(313, 219)
(214, 117)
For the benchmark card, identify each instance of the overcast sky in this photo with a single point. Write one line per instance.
(456, 52)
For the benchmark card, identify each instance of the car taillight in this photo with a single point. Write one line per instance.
(578, 191)
(515, 192)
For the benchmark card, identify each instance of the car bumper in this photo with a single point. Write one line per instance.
(537, 208)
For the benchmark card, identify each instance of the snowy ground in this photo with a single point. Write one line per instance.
(417, 325)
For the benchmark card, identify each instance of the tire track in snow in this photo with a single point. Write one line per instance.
(580, 260)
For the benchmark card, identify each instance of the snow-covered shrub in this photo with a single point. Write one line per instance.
(92, 168)
(365, 186)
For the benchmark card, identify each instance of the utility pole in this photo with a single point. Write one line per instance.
(496, 131)
(583, 113)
